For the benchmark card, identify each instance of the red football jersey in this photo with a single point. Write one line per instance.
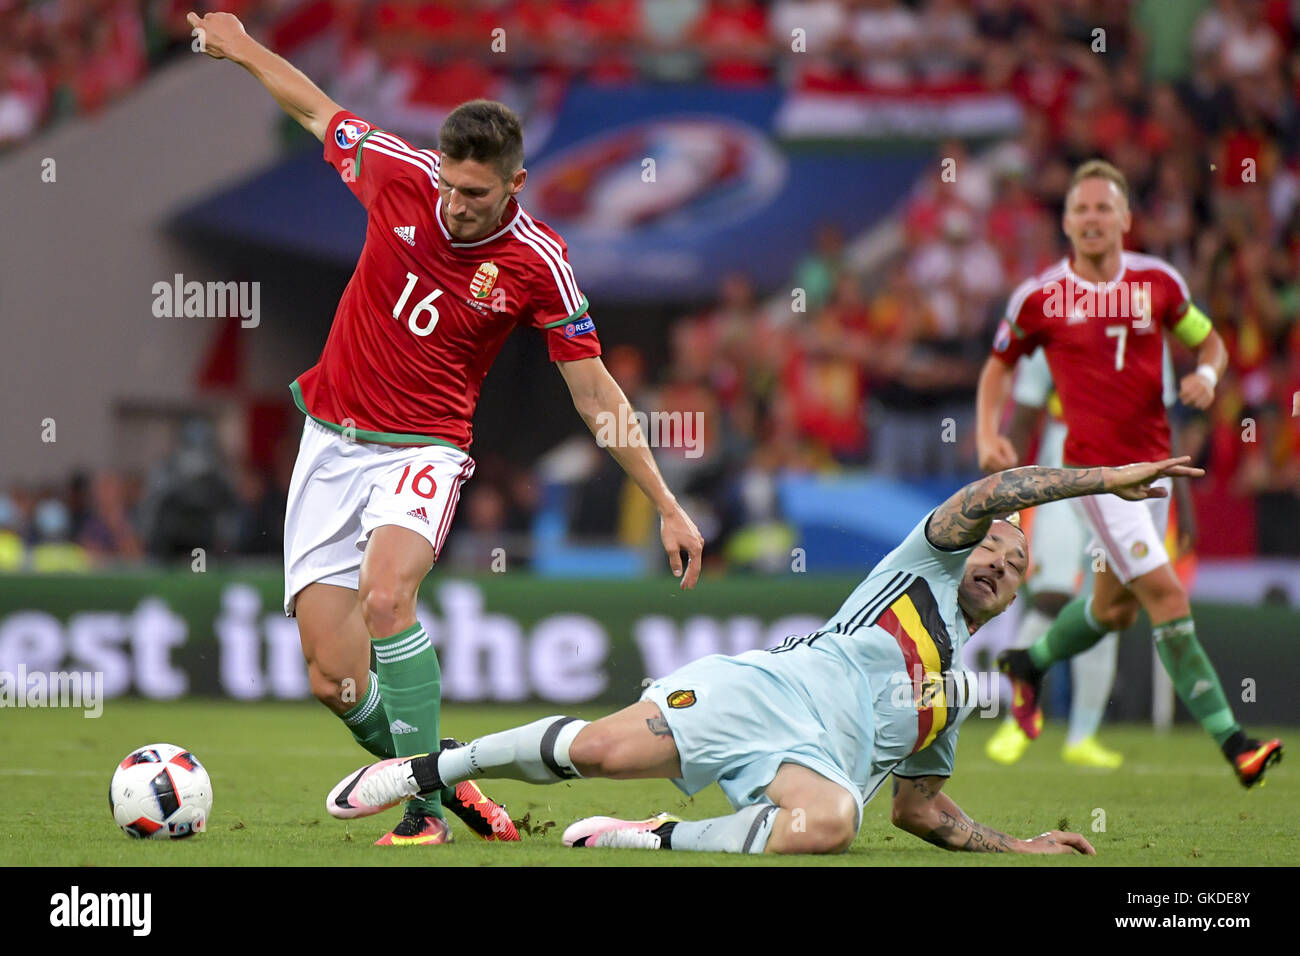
(423, 316)
(1105, 346)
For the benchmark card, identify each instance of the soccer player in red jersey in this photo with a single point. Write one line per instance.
(1100, 316)
(451, 265)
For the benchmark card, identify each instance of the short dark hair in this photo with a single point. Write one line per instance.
(486, 132)
(1099, 169)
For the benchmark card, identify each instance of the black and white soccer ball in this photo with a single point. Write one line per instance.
(160, 791)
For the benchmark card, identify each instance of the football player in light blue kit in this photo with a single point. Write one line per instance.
(800, 736)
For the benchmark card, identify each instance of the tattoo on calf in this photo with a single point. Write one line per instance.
(919, 785)
(659, 727)
(925, 792)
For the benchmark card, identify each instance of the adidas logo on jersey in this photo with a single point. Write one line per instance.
(401, 727)
(406, 234)
(419, 513)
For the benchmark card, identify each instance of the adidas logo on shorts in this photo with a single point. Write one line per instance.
(419, 513)
(401, 727)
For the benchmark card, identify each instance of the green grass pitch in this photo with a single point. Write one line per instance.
(1174, 804)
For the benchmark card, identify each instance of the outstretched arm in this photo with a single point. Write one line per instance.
(922, 810)
(606, 410)
(964, 518)
(224, 38)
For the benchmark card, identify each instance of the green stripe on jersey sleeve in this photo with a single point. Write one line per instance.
(360, 143)
(582, 310)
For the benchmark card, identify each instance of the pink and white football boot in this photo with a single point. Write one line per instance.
(618, 834)
(372, 789)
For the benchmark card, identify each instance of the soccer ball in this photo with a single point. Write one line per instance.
(160, 791)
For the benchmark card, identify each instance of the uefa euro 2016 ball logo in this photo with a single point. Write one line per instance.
(350, 132)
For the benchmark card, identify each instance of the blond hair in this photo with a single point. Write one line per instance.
(1099, 169)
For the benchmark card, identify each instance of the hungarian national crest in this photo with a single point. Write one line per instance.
(484, 279)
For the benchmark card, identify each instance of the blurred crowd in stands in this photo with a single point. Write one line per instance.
(850, 364)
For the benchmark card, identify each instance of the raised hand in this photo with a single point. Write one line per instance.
(220, 34)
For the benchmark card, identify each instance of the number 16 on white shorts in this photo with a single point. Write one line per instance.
(342, 491)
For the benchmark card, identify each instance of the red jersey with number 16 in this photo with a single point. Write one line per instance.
(423, 316)
(1105, 346)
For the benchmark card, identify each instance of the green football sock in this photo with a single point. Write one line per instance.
(368, 722)
(410, 684)
(369, 726)
(1074, 630)
(1194, 678)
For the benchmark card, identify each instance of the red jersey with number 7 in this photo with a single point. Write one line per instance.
(423, 317)
(1105, 346)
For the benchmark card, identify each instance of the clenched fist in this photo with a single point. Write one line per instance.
(996, 453)
(1195, 391)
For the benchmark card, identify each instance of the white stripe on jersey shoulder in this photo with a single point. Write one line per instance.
(548, 249)
(527, 223)
(390, 145)
(1032, 285)
(399, 145)
(1143, 261)
(570, 304)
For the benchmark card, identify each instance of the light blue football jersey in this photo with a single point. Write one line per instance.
(903, 630)
(879, 688)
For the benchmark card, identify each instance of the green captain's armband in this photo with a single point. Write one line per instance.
(1193, 327)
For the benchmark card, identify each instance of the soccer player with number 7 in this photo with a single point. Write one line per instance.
(451, 265)
(1100, 317)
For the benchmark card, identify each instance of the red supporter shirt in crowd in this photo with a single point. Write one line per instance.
(423, 317)
(1105, 347)
(725, 30)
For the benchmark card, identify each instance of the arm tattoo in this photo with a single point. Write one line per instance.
(963, 833)
(659, 727)
(964, 518)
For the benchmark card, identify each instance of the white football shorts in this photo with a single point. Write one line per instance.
(342, 490)
(1130, 533)
(1057, 548)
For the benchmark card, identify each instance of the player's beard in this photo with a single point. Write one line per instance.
(1100, 252)
(463, 231)
(478, 228)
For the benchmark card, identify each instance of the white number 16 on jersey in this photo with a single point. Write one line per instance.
(424, 305)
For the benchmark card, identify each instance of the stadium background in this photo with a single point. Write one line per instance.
(798, 269)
